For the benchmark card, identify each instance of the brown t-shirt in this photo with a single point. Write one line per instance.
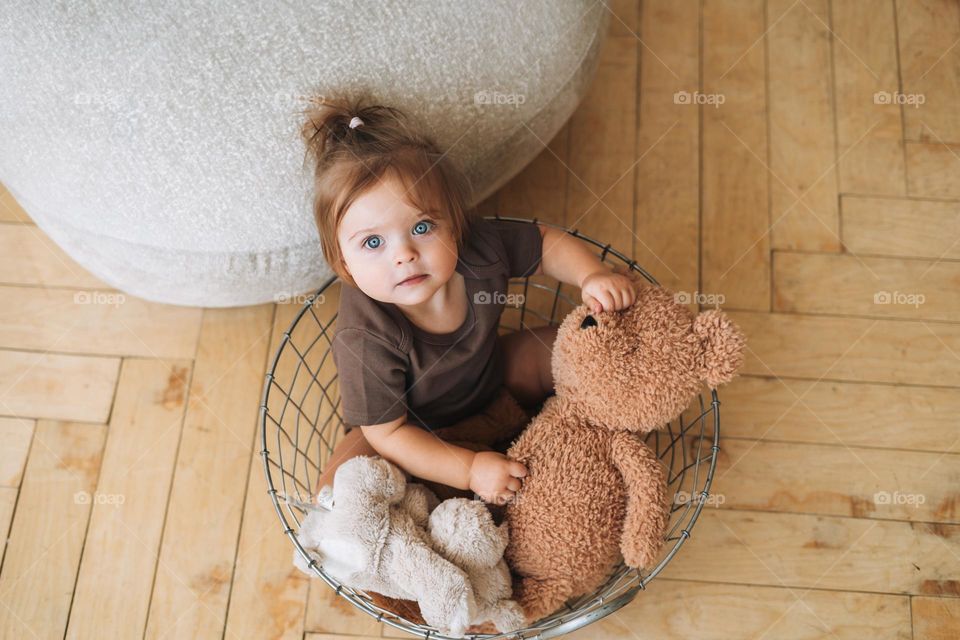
(388, 366)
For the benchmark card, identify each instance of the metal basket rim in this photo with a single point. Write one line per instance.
(558, 623)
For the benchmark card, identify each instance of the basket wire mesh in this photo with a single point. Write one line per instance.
(300, 424)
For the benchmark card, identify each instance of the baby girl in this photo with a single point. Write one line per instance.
(424, 278)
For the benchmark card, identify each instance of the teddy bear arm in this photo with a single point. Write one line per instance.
(647, 514)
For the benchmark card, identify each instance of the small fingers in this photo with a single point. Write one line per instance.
(606, 301)
(518, 470)
(514, 484)
(618, 301)
(591, 303)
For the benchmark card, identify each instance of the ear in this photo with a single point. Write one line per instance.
(723, 344)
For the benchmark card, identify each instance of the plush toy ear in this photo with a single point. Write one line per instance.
(723, 345)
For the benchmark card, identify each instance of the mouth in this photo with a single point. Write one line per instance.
(412, 280)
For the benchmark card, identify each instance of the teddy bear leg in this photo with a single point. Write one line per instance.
(442, 589)
(507, 616)
(540, 597)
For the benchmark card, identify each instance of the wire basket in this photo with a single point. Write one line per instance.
(300, 425)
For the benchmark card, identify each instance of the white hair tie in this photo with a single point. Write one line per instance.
(355, 122)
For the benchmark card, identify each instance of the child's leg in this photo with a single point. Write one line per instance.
(350, 446)
(527, 371)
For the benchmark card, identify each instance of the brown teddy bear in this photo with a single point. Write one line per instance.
(594, 490)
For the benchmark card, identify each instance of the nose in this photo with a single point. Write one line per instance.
(588, 321)
(405, 253)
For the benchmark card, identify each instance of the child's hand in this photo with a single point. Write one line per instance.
(495, 477)
(606, 291)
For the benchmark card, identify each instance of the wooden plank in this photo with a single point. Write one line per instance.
(681, 609)
(854, 349)
(624, 17)
(935, 618)
(735, 236)
(15, 436)
(803, 185)
(880, 287)
(29, 256)
(269, 595)
(328, 612)
(838, 480)
(901, 227)
(823, 552)
(191, 589)
(120, 556)
(869, 130)
(41, 564)
(539, 191)
(667, 217)
(602, 149)
(933, 169)
(97, 322)
(861, 415)
(82, 385)
(8, 499)
(928, 32)
(10, 209)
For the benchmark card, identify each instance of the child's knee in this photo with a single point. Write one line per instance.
(353, 444)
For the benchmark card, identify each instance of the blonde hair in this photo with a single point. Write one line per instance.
(349, 160)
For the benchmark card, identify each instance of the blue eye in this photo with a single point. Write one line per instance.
(424, 226)
(424, 223)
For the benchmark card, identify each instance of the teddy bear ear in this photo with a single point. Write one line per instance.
(723, 344)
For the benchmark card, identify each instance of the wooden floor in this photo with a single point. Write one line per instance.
(808, 171)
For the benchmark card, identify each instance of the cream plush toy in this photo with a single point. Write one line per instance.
(375, 537)
(463, 532)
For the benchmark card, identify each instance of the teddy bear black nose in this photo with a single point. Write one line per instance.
(588, 321)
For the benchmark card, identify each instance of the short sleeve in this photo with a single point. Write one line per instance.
(372, 377)
(523, 244)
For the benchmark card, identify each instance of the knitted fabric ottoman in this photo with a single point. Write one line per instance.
(157, 143)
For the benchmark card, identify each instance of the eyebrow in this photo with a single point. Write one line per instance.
(429, 213)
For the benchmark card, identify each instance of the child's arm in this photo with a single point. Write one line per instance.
(491, 475)
(569, 260)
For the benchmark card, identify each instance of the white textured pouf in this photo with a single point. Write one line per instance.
(158, 144)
